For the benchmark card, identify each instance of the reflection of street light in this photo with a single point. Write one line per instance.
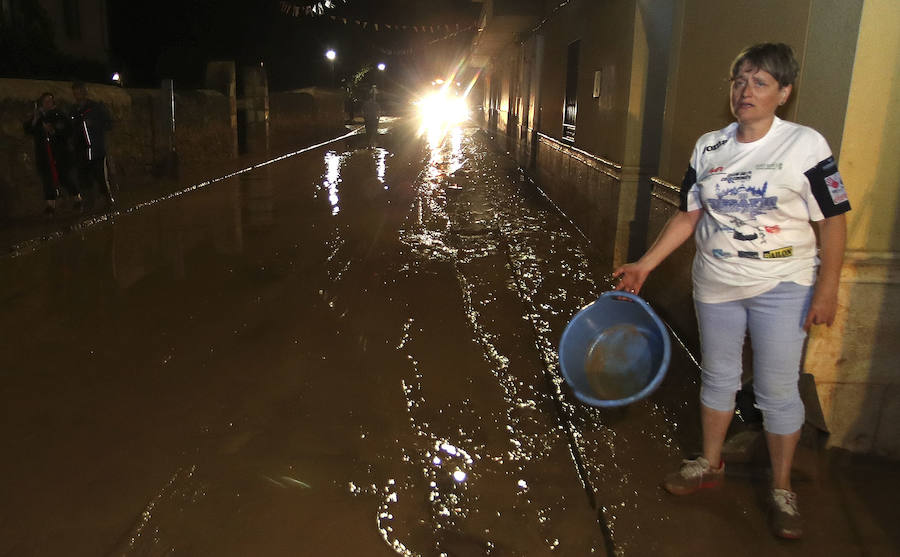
(331, 55)
(381, 66)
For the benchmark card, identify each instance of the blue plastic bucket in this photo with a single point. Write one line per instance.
(615, 351)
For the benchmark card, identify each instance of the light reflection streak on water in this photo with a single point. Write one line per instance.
(380, 166)
(331, 179)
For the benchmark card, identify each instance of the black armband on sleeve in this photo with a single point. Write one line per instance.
(828, 188)
(690, 178)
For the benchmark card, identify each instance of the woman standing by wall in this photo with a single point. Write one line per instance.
(748, 197)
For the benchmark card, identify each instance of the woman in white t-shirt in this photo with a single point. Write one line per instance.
(748, 197)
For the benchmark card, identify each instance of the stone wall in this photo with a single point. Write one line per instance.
(135, 141)
(139, 139)
(304, 114)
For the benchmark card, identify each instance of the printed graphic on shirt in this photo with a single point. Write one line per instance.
(710, 148)
(828, 188)
(779, 253)
(836, 188)
(737, 199)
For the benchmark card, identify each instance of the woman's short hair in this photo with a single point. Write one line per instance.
(775, 58)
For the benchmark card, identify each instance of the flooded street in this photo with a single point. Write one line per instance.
(350, 351)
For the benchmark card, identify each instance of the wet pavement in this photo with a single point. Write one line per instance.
(351, 351)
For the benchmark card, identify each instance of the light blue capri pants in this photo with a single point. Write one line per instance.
(775, 321)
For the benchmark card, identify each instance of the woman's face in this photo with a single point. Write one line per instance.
(755, 95)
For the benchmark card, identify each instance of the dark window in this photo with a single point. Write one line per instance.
(571, 107)
(72, 18)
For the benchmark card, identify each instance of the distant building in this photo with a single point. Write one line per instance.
(80, 27)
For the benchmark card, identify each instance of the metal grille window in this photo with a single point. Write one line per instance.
(571, 105)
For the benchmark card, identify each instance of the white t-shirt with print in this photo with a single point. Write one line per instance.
(758, 200)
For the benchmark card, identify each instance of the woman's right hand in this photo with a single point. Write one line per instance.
(631, 276)
(678, 228)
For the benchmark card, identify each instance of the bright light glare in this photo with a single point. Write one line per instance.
(381, 66)
(441, 109)
(331, 55)
(116, 77)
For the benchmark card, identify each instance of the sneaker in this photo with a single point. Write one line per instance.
(694, 475)
(785, 514)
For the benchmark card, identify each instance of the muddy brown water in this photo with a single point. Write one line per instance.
(349, 352)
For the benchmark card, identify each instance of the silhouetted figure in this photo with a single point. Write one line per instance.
(91, 121)
(371, 115)
(51, 131)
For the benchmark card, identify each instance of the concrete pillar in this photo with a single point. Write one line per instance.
(855, 361)
(221, 77)
(651, 43)
(253, 108)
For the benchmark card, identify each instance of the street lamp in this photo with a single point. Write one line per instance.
(331, 55)
(381, 66)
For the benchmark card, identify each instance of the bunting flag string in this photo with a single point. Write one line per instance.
(318, 9)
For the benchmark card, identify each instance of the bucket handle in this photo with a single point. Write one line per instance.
(622, 296)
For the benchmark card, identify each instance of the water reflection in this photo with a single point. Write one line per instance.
(258, 197)
(380, 155)
(332, 178)
(439, 418)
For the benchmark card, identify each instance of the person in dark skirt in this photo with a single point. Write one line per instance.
(51, 131)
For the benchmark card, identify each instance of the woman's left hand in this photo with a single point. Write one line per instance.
(822, 309)
(833, 237)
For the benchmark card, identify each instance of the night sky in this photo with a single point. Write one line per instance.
(173, 38)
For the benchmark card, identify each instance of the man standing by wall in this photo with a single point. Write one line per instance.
(91, 121)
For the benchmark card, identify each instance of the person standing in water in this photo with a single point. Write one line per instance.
(372, 117)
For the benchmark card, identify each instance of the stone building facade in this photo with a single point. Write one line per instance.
(602, 101)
